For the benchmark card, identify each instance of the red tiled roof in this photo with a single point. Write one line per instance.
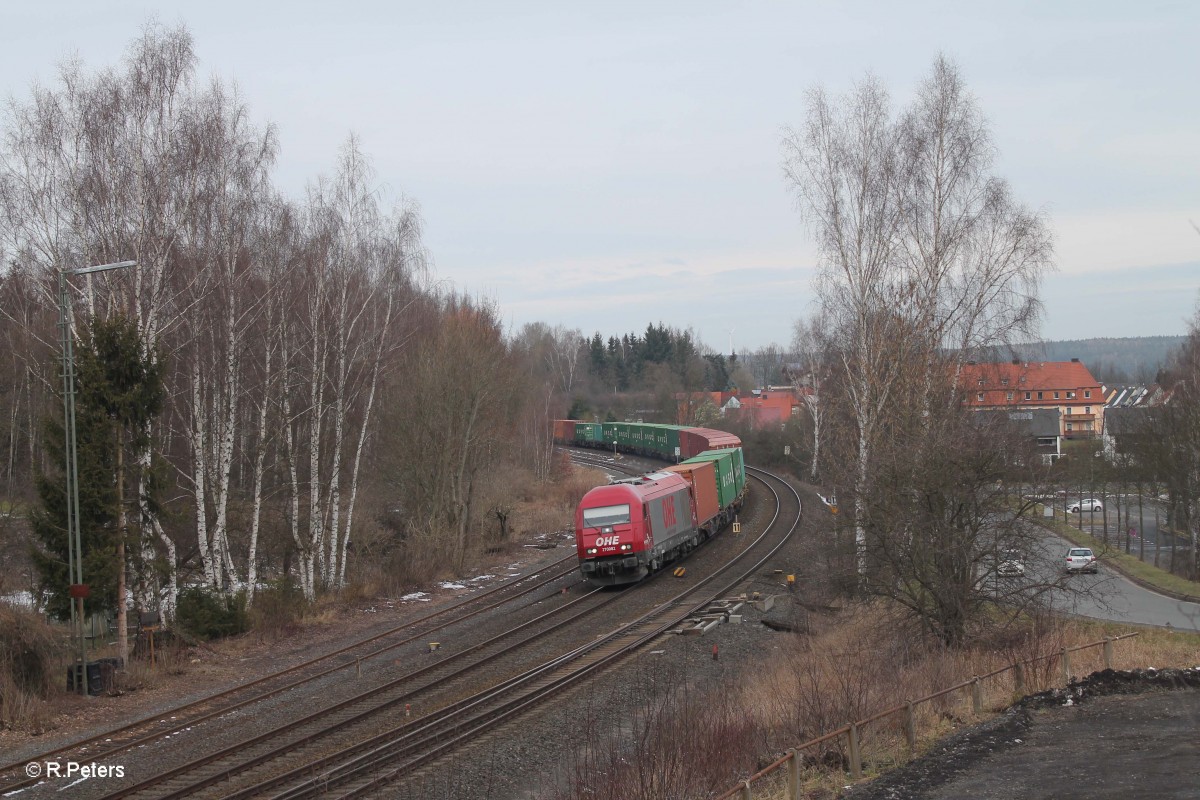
(995, 381)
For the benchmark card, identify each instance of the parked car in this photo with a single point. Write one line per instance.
(1010, 565)
(1090, 504)
(1081, 559)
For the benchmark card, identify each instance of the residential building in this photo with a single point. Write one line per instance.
(1125, 415)
(1044, 425)
(1067, 387)
(760, 408)
(773, 405)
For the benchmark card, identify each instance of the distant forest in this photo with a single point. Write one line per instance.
(1132, 360)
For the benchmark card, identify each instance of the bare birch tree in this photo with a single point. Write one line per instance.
(843, 166)
(228, 201)
(816, 360)
(357, 266)
(95, 169)
(926, 259)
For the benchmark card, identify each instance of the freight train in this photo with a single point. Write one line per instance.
(630, 528)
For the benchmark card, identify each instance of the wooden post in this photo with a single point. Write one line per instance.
(1019, 678)
(855, 756)
(794, 775)
(358, 667)
(1066, 665)
(910, 728)
(1108, 653)
(746, 791)
(976, 696)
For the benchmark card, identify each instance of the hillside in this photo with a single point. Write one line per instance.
(1111, 360)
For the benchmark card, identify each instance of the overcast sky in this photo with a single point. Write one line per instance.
(613, 167)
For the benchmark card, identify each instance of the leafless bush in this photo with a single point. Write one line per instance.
(30, 654)
(278, 610)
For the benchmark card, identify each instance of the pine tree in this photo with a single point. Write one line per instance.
(119, 390)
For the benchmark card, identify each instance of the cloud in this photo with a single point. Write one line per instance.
(1104, 241)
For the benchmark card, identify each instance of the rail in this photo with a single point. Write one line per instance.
(791, 760)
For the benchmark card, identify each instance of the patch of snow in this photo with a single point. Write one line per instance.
(449, 585)
(18, 599)
(424, 598)
(482, 578)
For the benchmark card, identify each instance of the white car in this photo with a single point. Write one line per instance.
(1089, 504)
(1081, 559)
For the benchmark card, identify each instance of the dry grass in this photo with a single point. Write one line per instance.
(856, 667)
(553, 508)
(534, 510)
(850, 666)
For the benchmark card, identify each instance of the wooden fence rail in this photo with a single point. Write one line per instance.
(852, 731)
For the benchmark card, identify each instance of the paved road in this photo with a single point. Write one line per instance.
(1111, 596)
(1144, 519)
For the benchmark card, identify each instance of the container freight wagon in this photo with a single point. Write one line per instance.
(626, 530)
(663, 441)
(589, 434)
(564, 431)
(731, 475)
(702, 481)
(694, 441)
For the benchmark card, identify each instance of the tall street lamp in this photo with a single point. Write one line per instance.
(78, 589)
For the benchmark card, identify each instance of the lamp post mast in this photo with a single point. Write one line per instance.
(77, 590)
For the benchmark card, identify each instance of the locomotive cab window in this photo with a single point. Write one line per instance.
(605, 515)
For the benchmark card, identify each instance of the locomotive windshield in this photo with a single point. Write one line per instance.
(605, 515)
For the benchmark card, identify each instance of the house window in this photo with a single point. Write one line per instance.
(979, 396)
(1027, 395)
(1056, 395)
(1068, 427)
(1070, 395)
(1022, 379)
(1087, 409)
(1010, 395)
(1087, 393)
(1004, 381)
(1087, 426)
(1046, 441)
(981, 381)
(1039, 395)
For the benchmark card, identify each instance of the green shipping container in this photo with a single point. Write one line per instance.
(739, 469)
(638, 435)
(608, 432)
(665, 441)
(727, 484)
(622, 432)
(589, 432)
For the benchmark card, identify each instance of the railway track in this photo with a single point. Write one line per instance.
(370, 739)
(345, 724)
(139, 733)
(404, 749)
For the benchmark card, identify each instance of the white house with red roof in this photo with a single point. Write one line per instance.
(1067, 386)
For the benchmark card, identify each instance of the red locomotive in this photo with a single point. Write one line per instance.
(628, 529)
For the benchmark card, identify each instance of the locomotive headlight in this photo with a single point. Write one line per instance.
(591, 551)
(626, 546)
